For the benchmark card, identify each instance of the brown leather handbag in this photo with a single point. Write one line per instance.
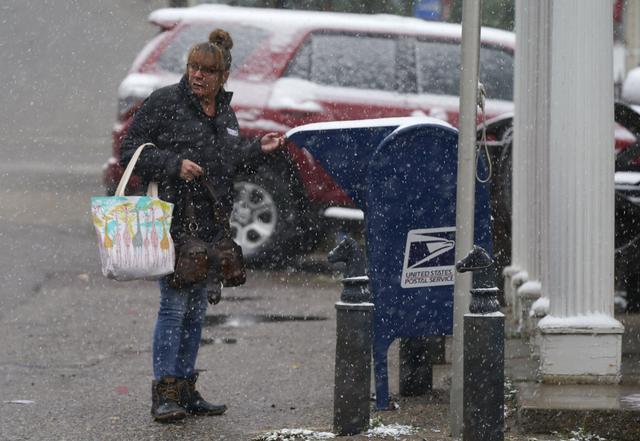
(225, 253)
(192, 263)
(230, 262)
(198, 261)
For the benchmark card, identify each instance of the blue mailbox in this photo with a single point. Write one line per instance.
(402, 173)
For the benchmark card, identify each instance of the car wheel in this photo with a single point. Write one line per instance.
(265, 220)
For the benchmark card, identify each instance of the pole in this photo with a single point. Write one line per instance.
(352, 387)
(484, 376)
(354, 333)
(465, 198)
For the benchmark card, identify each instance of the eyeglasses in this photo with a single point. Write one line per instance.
(205, 70)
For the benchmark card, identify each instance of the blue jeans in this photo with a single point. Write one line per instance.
(178, 330)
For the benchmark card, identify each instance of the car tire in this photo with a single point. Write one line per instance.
(267, 221)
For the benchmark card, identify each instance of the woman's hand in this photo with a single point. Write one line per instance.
(272, 142)
(189, 170)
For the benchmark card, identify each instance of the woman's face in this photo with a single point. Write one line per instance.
(205, 77)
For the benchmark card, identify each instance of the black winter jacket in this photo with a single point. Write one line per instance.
(172, 119)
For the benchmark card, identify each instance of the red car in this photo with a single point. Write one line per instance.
(297, 67)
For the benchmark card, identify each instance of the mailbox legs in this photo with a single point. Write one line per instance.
(417, 357)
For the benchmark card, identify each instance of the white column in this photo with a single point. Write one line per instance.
(632, 33)
(536, 138)
(531, 129)
(580, 339)
(515, 274)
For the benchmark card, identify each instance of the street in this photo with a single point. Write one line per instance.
(62, 64)
(75, 361)
(79, 352)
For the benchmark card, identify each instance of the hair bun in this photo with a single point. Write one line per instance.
(221, 38)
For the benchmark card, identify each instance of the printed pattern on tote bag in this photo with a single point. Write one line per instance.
(133, 236)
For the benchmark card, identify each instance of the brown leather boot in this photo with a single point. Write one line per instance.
(193, 402)
(165, 395)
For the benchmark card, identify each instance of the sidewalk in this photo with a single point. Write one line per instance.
(611, 411)
(78, 354)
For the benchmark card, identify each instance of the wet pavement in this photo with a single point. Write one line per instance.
(76, 365)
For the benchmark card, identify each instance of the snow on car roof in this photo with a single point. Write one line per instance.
(297, 20)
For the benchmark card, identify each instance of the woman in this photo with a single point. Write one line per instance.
(196, 135)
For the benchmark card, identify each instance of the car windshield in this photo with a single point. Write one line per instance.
(245, 39)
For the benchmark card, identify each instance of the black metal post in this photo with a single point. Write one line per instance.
(351, 399)
(354, 329)
(483, 357)
(417, 357)
(483, 388)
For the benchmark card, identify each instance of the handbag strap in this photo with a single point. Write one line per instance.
(219, 212)
(152, 188)
(190, 221)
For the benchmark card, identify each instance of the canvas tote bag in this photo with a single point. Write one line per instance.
(133, 231)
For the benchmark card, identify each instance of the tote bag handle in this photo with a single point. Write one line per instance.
(152, 189)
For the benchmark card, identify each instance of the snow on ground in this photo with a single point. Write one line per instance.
(295, 435)
(392, 430)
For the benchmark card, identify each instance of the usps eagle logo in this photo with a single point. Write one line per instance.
(429, 258)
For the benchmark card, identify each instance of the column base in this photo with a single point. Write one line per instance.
(517, 280)
(509, 293)
(528, 293)
(585, 349)
(539, 310)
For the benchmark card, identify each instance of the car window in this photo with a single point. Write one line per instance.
(300, 66)
(496, 73)
(406, 66)
(358, 61)
(245, 39)
(438, 69)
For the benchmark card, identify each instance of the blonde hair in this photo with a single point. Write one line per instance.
(218, 47)
(222, 39)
